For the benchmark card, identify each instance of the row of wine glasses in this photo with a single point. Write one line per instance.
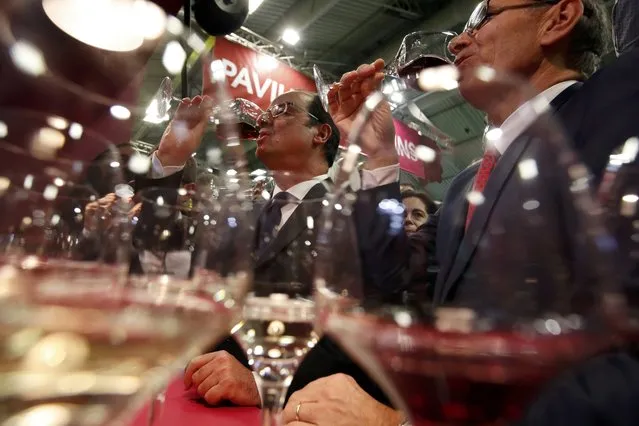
(70, 314)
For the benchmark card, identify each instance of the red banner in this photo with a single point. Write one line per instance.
(407, 142)
(257, 77)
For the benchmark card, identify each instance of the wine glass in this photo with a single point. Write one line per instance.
(246, 112)
(524, 293)
(164, 236)
(276, 327)
(115, 57)
(618, 194)
(418, 50)
(136, 329)
(64, 290)
(164, 240)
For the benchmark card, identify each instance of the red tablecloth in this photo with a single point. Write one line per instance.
(183, 408)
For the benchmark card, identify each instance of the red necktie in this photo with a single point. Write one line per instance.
(487, 165)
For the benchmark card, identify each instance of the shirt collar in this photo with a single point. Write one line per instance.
(524, 116)
(300, 190)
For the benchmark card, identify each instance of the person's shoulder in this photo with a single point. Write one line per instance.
(621, 73)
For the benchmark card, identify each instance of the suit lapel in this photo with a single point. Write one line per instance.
(562, 98)
(455, 223)
(295, 224)
(498, 178)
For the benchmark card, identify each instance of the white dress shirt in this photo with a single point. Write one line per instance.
(369, 179)
(526, 114)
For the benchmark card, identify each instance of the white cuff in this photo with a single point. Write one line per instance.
(381, 176)
(258, 383)
(159, 171)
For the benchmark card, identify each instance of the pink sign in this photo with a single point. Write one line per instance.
(407, 141)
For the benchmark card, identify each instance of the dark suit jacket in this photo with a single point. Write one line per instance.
(602, 114)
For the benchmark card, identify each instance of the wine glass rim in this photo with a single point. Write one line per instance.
(38, 177)
(75, 132)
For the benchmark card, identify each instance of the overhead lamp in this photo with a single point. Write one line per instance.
(111, 25)
(290, 36)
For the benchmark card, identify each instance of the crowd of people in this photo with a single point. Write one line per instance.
(557, 46)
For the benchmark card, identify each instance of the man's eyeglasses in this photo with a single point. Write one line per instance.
(481, 14)
(277, 110)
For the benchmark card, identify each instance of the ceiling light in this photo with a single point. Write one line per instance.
(290, 36)
(113, 25)
(253, 5)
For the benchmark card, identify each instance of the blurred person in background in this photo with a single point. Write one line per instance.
(417, 208)
(556, 46)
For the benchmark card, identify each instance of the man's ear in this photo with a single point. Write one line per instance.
(322, 134)
(559, 22)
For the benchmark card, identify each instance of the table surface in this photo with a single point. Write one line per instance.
(182, 407)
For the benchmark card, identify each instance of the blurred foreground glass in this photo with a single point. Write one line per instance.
(188, 239)
(418, 50)
(86, 351)
(619, 194)
(54, 146)
(165, 224)
(277, 326)
(81, 345)
(114, 58)
(523, 293)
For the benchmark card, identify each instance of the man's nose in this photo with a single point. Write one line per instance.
(459, 42)
(264, 120)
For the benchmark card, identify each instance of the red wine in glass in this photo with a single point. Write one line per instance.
(454, 378)
(245, 130)
(410, 71)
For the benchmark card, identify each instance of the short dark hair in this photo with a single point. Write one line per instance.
(431, 207)
(590, 39)
(331, 146)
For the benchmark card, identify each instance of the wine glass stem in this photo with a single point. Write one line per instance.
(273, 395)
(155, 408)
